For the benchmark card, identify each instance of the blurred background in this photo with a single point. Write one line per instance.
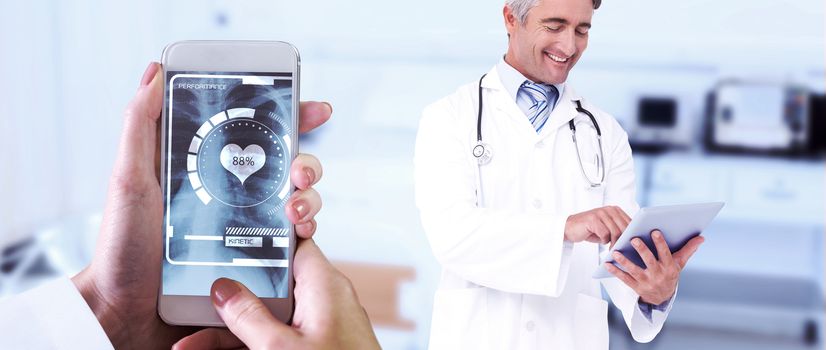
(723, 100)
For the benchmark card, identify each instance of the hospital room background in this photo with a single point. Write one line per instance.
(723, 100)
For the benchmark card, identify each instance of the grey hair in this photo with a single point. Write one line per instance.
(520, 8)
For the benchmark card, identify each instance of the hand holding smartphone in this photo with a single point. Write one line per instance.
(328, 314)
(228, 140)
(121, 285)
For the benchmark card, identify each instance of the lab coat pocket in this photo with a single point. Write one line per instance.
(590, 197)
(459, 319)
(591, 323)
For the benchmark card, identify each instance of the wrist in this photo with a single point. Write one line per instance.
(655, 302)
(565, 231)
(642, 300)
(105, 315)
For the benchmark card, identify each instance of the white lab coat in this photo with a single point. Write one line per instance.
(509, 280)
(51, 316)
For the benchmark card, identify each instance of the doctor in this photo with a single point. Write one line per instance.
(521, 183)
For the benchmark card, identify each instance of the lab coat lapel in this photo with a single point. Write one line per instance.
(497, 97)
(564, 111)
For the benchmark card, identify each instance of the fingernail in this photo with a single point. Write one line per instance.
(301, 208)
(224, 289)
(635, 242)
(657, 234)
(328, 106)
(617, 255)
(149, 74)
(310, 175)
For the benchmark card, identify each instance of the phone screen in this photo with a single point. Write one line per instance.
(230, 140)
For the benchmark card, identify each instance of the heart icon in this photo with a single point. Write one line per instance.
(242, 163)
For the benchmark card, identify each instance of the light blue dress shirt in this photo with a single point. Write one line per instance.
(512, 80)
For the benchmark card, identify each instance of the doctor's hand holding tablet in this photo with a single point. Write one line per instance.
(656, 281)
(651, 264)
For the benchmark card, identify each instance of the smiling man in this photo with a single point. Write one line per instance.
(542, 48)
(521, 184)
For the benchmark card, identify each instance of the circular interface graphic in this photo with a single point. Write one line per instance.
(241, 162)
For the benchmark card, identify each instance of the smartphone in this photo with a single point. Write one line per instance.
(228, 138)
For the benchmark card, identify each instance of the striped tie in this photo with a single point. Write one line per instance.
(543, 98)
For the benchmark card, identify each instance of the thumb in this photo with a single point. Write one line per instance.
(139, 144)
(248, 318)
(682, 256)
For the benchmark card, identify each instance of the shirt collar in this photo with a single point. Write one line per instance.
(512, 80)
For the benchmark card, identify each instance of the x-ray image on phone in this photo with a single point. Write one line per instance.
(230, 142)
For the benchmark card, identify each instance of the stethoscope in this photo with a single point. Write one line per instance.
(483, 153)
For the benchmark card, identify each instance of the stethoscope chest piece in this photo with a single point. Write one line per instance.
(482, 153)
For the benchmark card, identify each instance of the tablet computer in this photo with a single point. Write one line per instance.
(678, 223)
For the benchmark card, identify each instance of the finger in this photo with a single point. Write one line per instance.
(248, 318)
(630, 267)
(313, 272)
(594, 239)
(597, 228)
(646, 255)
(619, 220)
(305, 171)
(328, 298)
(615, 234)
(209, 338)
(622, 275)
(313, 114)
(620, 217)
(303, 205)
(681, 256)
(604, 234)
(307, 229)
(310, 261)
(158, 152)
(608, 221)
(625, 217)
(663, 252)
(139, 139)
